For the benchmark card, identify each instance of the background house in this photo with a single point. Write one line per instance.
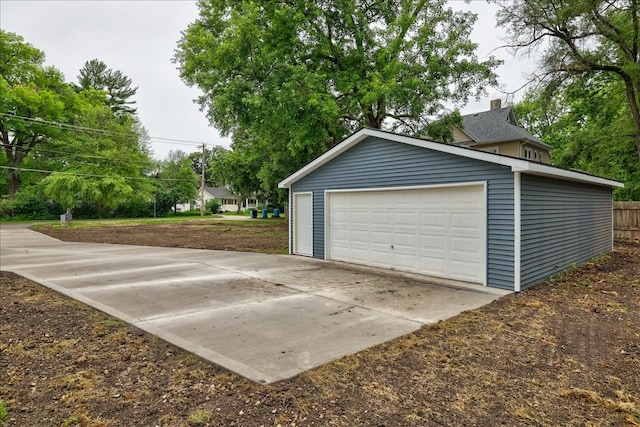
(497, 131)
(228, 202)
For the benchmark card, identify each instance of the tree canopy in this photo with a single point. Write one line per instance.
(586, 38)
(179, 183)
(296, 77)
(31, 97)
(589, 126)
(68, 140)
(96, 75)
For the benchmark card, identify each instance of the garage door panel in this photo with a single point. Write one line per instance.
(361, 254)
(380, 237)
(436, 231)
(360, 237)
(432, 198)
(381, 218)
(466, 245)
(409, 219)
(435, 266)
(380, 257)
(405, 261)
(432, 241)
(464, 269)
(405, 240)
(465, 220)
(433, 219)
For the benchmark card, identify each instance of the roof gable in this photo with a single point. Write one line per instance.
(497, 125)
(516, 164)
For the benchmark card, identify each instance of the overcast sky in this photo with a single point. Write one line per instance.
(139, 38)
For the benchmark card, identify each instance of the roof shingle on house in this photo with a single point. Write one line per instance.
(219, 192)
(496, 125)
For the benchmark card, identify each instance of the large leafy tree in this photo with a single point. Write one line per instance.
(590, 128)
(582, 38)
(104, 161)
(32, 97)
(296, 77)
(118, 87)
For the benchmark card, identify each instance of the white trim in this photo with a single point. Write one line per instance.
(326, 223)
(520, 165)
(517, 230)
(485, 264)
(486, 233)
(295, 246)
(289, 218)
(409, 187)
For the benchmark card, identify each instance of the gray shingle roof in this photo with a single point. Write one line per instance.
(219, 192)
(496, 126)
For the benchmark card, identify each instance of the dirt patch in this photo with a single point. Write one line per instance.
(248, 236)
(565, 352)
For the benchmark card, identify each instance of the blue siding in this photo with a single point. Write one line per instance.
(377, 162)
(562, 223)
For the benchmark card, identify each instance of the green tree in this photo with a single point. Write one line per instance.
(103, 162)
(238, 170)
(31, 98)
(179, 183)
(582, 38)
(96, 75)
(296, 77)
(213, 177)
(589, 126)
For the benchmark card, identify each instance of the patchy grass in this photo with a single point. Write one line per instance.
(562, 353)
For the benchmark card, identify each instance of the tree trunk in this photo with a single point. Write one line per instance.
(635, 110)
(14, 183)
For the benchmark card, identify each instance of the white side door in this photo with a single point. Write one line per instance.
(303, 224)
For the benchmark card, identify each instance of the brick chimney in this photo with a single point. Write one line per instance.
(496, 104)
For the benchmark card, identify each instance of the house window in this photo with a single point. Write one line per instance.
(532, 154)
(528, 153)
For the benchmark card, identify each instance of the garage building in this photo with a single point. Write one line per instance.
(387, 200)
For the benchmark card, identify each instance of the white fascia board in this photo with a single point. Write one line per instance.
(541, 169)
(515, 164)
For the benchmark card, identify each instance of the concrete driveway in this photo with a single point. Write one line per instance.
(265, 317)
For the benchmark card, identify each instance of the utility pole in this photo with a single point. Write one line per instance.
(202, 184)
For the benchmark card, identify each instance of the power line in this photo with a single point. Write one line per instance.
(93, 175)
(158, 139)
(90, 156)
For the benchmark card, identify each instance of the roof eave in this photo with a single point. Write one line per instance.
(516, 165)
(541, 169)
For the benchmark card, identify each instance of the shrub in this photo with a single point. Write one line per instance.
(134, 209)
(28, 206)
(213, 206)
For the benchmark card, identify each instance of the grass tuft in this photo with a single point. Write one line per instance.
(199, 418)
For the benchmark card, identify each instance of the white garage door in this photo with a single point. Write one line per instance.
(435, 231)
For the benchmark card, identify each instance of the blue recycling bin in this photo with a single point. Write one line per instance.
(276, 213)
(264, 213)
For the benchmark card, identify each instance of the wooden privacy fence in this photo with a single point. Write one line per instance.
(626, 221)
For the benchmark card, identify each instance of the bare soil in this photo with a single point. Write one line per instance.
(268, 236)
(565, 352)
